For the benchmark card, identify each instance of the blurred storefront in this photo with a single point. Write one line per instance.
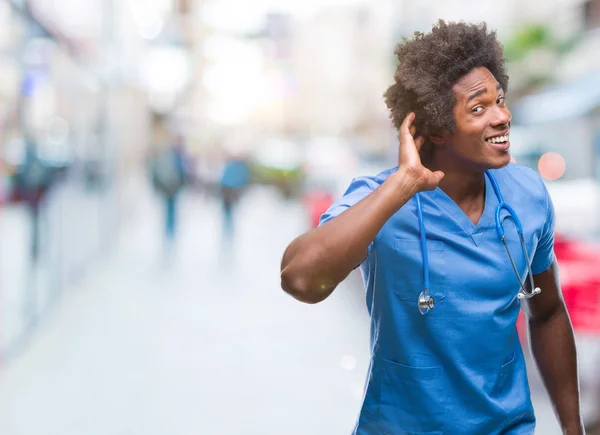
(73, 101)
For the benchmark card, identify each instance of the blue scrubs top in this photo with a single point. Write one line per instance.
(460, 368)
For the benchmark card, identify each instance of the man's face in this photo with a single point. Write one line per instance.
(482, 121)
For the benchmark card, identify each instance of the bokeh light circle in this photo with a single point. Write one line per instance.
(348, 362)
(552, 166)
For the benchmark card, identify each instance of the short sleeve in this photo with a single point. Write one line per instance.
(359, 188)
(544, 253)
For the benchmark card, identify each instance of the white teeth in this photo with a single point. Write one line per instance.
(498, 139)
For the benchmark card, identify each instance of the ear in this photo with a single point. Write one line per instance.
(438, 140)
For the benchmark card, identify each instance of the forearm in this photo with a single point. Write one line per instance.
(553, 347)
(316, 262)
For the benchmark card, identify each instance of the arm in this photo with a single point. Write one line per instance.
(316, 262)
(553, 346)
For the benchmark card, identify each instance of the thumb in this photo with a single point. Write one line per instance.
(438, 176)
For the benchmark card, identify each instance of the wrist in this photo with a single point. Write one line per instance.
(403, 182)
(398, 188)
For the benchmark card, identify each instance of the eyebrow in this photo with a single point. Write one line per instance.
(481, 92)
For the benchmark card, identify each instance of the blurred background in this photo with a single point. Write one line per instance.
(157, 157)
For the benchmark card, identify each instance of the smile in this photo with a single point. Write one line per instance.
(500, 143)
(498, 139)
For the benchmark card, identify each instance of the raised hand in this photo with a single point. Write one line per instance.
(409, 161)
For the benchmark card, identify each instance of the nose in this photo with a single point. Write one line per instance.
(502, 117)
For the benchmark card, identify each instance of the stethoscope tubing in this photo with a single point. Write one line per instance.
(426, 301)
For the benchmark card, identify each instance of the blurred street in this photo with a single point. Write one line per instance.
(158, 156)
(204, 344)
(144, 347)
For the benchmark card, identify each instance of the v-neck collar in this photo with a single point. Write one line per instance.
(475, 231)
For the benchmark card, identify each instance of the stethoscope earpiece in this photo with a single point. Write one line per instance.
(525, 295)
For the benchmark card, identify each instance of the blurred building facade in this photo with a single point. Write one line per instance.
(72, 97)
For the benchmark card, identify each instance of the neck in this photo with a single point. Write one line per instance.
(462, 182)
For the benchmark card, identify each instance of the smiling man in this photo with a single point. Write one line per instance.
(446, 271)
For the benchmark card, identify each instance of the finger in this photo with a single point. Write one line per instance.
(405, 127)
(438, 176)
(413, 130)
(419, 142)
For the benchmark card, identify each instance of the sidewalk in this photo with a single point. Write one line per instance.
(70, 239)
(145, 349)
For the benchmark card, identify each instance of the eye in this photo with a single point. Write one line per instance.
(500, 100)
(477, 109)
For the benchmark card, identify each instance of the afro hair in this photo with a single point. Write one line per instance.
(431, 64)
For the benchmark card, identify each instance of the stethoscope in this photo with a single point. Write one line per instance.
(426, 301)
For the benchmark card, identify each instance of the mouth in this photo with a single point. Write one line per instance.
(499, 141)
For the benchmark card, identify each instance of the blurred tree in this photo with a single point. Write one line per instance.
(533, 52)
(525, 39)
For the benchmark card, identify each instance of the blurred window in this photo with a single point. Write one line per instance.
(591, 14)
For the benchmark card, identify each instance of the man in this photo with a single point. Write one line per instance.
(454, 366)
(234, 179)
(169, 177)
(33, 180)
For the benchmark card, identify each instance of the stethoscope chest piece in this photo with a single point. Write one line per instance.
(426, 302)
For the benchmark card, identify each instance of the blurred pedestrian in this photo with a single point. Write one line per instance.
(169, 177)
(443, 290)
(234, 180)
(32, 181)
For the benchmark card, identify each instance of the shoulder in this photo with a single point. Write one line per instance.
(521, 182)
(359, 188)
(520, 173)
(524, 188)
(367, 184)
